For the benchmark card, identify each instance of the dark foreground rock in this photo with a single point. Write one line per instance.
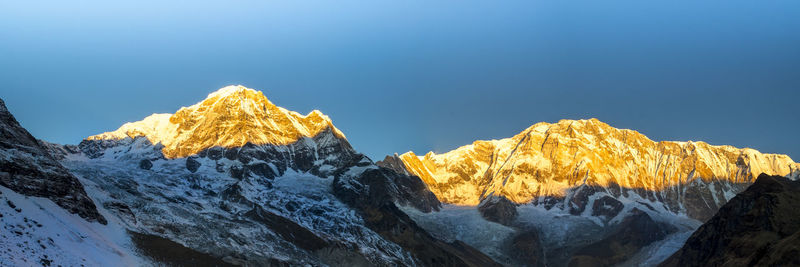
(758, 227)
(27, 168)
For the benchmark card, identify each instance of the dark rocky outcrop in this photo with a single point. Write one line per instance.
(122, 209)
(580, 198)
(289, 230)
(59, 151)
(394, 163)
(192, 164)
(169, 253)
(498, 209)
(410, 190)
(634, 232)
(270, 161)
(369, 194)
(607, 206)
(145, 164)
(758, 227)
(27, 168)
(527, 248)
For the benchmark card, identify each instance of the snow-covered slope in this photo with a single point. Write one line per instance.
(551, 163)
(250, 183)
(291, 218)
(37, 232)
(27, 168)
(580, 192)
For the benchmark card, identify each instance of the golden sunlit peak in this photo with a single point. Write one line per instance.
(230, 117)
(548, 158)
(232, 89)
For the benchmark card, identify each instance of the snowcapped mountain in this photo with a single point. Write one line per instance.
(563, 164)
(237, 180)
(46, 216)
(590, 194)
(242, 180)
(230, 117)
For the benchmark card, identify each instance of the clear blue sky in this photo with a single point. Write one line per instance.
(415, 75)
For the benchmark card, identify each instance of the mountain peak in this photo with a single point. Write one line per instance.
(230, 117)
(233, 94)
(550, 159)
(231, 90)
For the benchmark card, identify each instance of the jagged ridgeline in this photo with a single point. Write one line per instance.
(230, 117)
(27, 168)
(564, 164)
(238, 178)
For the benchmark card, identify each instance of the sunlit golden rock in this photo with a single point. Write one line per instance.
(546, 160)
(229, 117)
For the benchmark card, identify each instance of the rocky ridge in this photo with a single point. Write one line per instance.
(758, 227)
(563, 164)
(283, 181)
(230, 117)
(27, 167)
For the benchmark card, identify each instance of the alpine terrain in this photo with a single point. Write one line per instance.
(235, 180)
(759, 227)
(593, 194)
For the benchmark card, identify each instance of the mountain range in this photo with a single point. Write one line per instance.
(237, 180)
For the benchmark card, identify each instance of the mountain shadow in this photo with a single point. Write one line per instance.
(758, 227)
(27, 167)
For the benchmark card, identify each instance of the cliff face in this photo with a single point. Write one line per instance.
(27, 167)
(553, 163)
(759, 227)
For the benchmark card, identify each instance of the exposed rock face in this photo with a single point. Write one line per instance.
(192, 164)
(308, 154)
(394, 163)
(59, 151)
(230, 117)
(527, 248)
(409, 189)
(607, 206)
(145, 164)
(551, 164)
(289, 230)
(27, 168)
(368, 192)
(498, 209)
(758, 227)
(169, 253)
(634, 232)
(264, 191)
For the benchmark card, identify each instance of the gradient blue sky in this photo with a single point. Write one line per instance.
(415, 75)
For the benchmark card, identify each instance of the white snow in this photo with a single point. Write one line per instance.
(41, 231)
(465, 224)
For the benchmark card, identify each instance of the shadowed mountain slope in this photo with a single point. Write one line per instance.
(28, 168)
(758, 227)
